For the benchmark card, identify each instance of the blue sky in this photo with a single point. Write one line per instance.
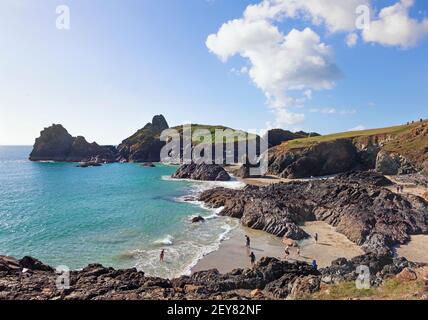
(124, 61)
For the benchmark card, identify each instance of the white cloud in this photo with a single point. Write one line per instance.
(278, 63)
(394, 27)
(336, 15)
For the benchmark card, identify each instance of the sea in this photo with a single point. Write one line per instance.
(120, 215)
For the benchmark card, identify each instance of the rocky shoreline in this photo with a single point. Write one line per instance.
(271, 278)
(357, 204)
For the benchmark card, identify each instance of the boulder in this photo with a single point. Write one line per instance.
(31, 263)
(304, 286)
(9, 264)
(197, 219)
(148, 165)
(204, 172)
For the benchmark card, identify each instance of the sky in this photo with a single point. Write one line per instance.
(246, 64)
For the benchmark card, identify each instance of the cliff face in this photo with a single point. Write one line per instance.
(145, 144)
(396, 150)
(56, 144)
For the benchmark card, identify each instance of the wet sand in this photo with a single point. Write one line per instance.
(416, 250)
(233, 254)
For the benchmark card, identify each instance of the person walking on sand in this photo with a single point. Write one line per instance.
(162, 255)
(287, 252)
(248, 241)
(316, 237)
(252, 259)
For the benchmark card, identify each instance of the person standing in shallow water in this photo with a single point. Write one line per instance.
(248, 241)
(162, 255)
(252, 259)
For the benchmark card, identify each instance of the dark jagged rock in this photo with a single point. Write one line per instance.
(278, 136)
(145, 145)
(354, 203)
(322, 159)
(204, 172)
(269, 279)
(97, 282)
(244, 171)
(198, 219)
(381, 267)
(56, 144)
(393, 164)
(33, 264)
(148, 165)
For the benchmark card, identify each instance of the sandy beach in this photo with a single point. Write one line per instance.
(416, 250)
(233, 254)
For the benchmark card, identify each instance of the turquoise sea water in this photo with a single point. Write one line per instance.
(120, 215)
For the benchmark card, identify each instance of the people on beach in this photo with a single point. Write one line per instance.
(316, 237)
(248, 241)
(314, 264)
(162, 255)
(252, 259)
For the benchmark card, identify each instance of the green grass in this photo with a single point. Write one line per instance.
(214, 135)
(392, 289)
(307, 142)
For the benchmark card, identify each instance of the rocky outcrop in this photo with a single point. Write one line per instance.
(381, 267)
(396, 150)
(145, 145)
(278, 136)
(271, 278)
(197, 219)
(204, 172)
(355, 203)
(56, 144)
(393, 164)
(322, 159)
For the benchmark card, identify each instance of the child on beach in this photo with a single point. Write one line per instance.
(287, 252)
(253, 259)
(314, 264)
(248, 241)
